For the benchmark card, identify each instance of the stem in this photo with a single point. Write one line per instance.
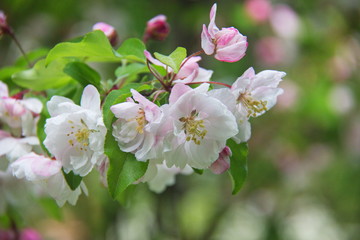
(166, 87)
(192, 55)
(12, 35)
(157, 94)
(218, 83)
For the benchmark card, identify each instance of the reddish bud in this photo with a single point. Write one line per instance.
(157, 28)
(223, 162)
(109, 31)
(4, 27)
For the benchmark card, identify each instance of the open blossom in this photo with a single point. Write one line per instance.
(201, 125)
(159, 176)
(75, 134)
(137, 126)
(256, 94)
(47, 173)
(18, 112)
(228, 44)
(108, 30)
(189, 72)
(13, 148)
(157, 28)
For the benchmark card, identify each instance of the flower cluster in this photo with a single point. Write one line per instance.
(168, 126)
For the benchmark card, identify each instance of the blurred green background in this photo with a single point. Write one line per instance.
(304, 161)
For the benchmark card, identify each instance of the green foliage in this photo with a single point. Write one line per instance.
(42, 77)
(238, 164)
(82, 73)
(72, 179)
(124, 169)
(131, 71)
(174, 60)
(93, 47)
(133, 50)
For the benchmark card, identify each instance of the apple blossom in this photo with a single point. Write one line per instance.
(108, 30)
(76, 134)
(137, 126)
(189, 71)
(201, 125)
(47, 173)
(18, 112)
(228, 44)
(157, 28)
(13, 148)
(256, 94)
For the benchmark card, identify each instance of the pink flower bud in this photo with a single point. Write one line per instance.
(157, 28)
(223, 162)
(228, 44)
(30, 234)
(109, 31)
(4, 27)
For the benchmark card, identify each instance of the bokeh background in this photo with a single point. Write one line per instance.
(304, 161)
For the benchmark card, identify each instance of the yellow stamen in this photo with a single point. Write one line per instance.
(194, 129)
(254, 107)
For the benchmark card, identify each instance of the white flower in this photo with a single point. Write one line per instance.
(256, 94)
(201, 125)
(137, 126)
(13, 148)
(76, 134)
(159, 176)
(18, 112)
(47, 173)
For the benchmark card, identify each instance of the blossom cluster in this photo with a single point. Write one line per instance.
(187, 130)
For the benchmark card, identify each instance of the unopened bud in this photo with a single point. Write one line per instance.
(157, 28)
(223, 162)
(108, 30)
(4, 27)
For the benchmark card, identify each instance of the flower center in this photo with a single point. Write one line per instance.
(79, 137)
(253, 106)
(193, 128)
(141, 121)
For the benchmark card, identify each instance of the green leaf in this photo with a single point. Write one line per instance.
(124, 169)
(133, 49)
(40, 132)
(174, 60)
(131, 71)
(94, 47)
(40, 77)
(198, 171)
(32, 57)
(238, 164)
(82, 73)
(72, 179)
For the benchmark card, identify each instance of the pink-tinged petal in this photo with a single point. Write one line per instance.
(227, 36)
(267, 94)
(35, 167)
(142, 100)
(189, 67)
(153, 60)
(207, 42)
(233, 52)
(126, 110)
(4, 92)
(4, 134)
(213, 29)
(91, 98)
(223, 162)
(108, 30)
(204, 75)
(177, 91)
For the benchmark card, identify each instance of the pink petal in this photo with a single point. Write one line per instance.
(206, 41)
(177, 91)
(232, 53)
